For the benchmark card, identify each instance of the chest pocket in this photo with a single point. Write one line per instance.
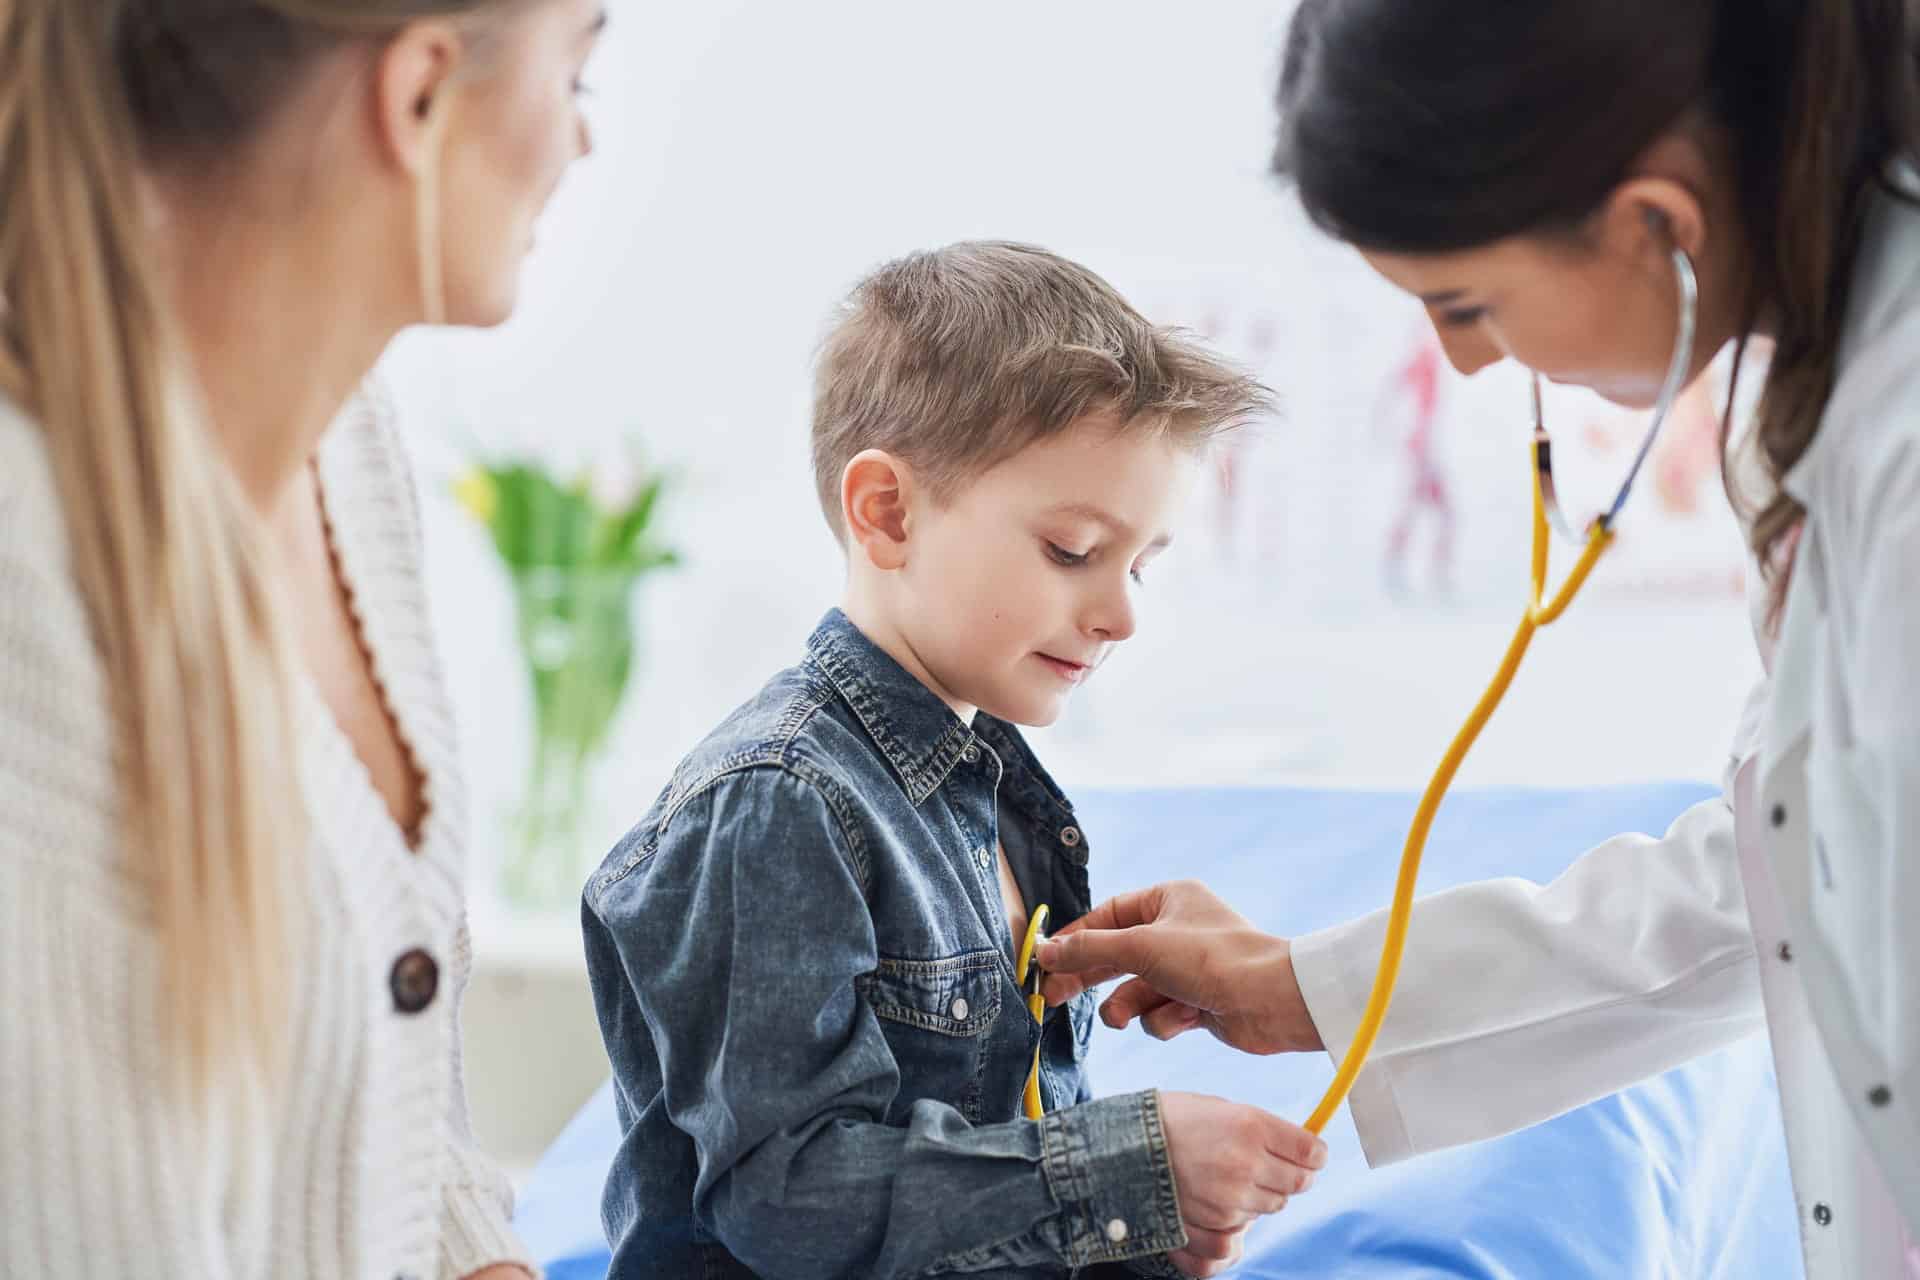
(1848, 876)
(936, 1016)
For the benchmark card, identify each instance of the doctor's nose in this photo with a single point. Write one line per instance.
(1469, 348)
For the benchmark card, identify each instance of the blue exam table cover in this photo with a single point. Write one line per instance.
(1682, 1176)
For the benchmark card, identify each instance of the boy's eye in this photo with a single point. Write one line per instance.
(1462, 317)
(1061, 556)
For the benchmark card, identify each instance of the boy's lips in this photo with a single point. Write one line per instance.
(1066, 669)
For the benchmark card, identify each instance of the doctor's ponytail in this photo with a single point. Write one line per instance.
(1851, 111)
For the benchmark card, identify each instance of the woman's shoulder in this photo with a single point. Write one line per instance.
(29, 497)
(56, 747)
(38, 595)
(369, 480)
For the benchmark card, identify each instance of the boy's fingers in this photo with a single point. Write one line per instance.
(1208, 1252)
(1294, 1144)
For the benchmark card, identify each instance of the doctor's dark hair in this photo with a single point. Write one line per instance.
(1424, 126)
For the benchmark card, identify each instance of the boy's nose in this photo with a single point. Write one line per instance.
(1111, 617)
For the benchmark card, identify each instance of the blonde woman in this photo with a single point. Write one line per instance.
(231, 830)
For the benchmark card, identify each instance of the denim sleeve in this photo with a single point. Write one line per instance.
(742, 942)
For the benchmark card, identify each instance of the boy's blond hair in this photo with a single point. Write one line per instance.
(957, 358)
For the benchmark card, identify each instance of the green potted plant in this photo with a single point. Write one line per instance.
(574, 557)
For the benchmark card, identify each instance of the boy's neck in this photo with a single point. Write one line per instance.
(869, 614)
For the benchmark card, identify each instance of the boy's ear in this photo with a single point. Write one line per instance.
(875, 489)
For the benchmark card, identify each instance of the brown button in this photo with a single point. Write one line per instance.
(414, 979)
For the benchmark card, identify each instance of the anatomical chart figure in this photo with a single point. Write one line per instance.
(1415, 384)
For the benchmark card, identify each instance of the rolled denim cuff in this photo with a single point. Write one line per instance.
(1106, 1164)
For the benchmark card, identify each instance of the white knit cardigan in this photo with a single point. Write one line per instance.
(368, 1168)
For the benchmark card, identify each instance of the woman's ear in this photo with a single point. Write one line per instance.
(412, 91)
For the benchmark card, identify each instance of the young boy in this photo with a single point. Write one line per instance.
(804, 955)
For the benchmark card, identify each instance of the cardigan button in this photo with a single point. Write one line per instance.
(1880, 1095)
(415, 978)
(1822, 1215)
(1779, 815)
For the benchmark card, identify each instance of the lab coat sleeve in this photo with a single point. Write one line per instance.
(1518, 1002)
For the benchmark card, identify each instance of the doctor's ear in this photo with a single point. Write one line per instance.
(876, 496)
(1654, 216)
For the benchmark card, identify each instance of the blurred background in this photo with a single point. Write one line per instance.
(1349, 574)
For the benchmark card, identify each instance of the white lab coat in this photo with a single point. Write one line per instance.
(1792, 901)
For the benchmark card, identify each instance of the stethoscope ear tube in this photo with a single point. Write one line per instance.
(1678, 366)
(1540, 612)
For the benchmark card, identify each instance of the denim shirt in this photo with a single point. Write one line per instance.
(800, 960)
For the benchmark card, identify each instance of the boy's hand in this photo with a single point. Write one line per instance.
(1208, 1253)
(1232, 1163)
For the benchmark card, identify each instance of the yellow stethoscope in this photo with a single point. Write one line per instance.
(1540, 612)
(1027, 975)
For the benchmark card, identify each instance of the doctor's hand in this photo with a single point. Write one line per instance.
(1199, 964)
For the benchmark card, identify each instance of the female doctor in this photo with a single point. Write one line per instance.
(1528, 172)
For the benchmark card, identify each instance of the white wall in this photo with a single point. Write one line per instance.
(753, 159)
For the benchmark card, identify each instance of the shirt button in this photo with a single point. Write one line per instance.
(1822, 1214)
(1786, 953)
(960, 1008)
(414, 979)
(1070, 836)
(985, 858)
(971, 755)
(1880, 1095)
(1117, 1230)
(1779, 815)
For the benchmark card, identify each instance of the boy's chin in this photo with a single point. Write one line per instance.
(1029, 713)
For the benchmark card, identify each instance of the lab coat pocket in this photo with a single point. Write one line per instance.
(1846, 878)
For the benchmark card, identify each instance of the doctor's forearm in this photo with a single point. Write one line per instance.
(1519, 1001)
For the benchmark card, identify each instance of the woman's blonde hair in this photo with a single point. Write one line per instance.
(166, 551)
